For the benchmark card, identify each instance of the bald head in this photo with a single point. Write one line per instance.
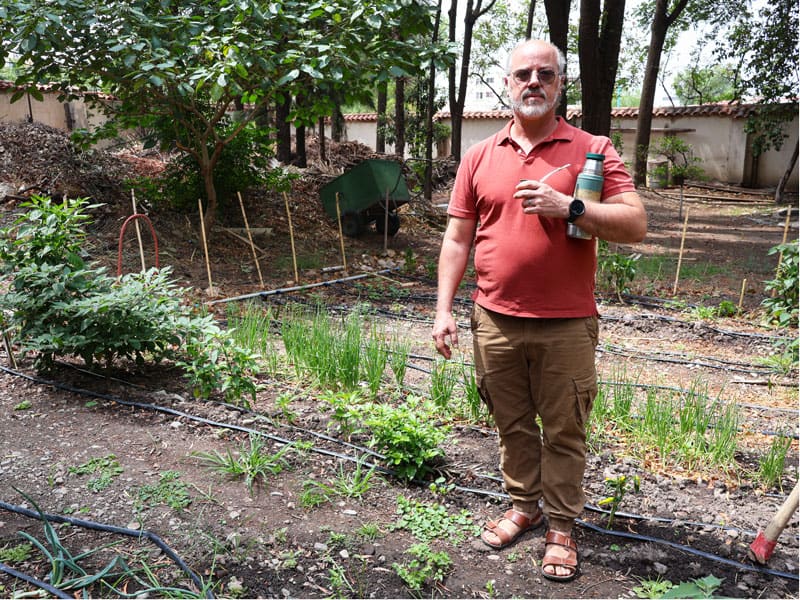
(526, 46)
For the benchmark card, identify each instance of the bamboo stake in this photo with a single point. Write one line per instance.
(780, 254)
(341, 234)
(680, 254)
(291, 236)
(138, 232)
(205, 246)
(786, 224)
(741, 294)
(250, 237)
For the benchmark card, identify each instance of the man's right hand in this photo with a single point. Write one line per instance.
(444, 330)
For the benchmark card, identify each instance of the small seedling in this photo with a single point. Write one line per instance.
(618, 486)
(16, 554)
(653, 588)
(426, 568)
(105, 468)
(169, 490)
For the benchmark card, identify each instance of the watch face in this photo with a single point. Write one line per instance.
(576, 209)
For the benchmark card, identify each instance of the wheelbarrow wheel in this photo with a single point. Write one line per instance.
(394, 224)
(352, 224)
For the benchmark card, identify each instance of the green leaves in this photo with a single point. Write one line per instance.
(782, 300)
(61, 306)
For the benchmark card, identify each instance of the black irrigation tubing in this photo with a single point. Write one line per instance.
(705, 362)
(177, 413)
(33, 581)
(729, 332)
(266, 293)
(135, 533)
(688, 549)
(635, 517)
(477, 491)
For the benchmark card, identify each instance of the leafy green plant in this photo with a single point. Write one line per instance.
(426, 567)
(15, 554)
(782, 302)
(347, 410)
(616, 270)
(726, 308)
(704, 587)
(105, 468)
(245, 157)
(786, 356)
(251, 461)
(408, 436)
(683, 164)
(431, 521)
(61, 306)
(169, 490)
(618, 488)
(653, 588)
(213, 362)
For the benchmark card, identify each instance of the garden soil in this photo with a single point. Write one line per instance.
(684, 524)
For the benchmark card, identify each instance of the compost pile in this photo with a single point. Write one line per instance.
(38, 159)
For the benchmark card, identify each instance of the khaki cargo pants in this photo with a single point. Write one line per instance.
(539, 367)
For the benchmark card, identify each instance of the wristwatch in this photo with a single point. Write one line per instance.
(576, 209)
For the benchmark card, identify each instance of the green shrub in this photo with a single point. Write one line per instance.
(61, 306)
(409, 436)
(615, 270)
(782, 302)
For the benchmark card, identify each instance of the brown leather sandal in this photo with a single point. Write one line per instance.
(506, 539)
(568, 562)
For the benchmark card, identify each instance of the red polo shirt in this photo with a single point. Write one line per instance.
(526, 265)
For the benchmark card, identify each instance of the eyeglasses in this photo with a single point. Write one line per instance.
(545, 76)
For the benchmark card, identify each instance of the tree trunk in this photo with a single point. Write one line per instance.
(599, 39)
(557, 12)
(658, 33)
(427, 182)
(337, 124)
(779, 190)
(283, 151)
(301, 159)
(474, 11)
(529, 23)
(400, 116)
(322, 153)
(380, 128)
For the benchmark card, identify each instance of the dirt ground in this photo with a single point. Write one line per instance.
(682, 525)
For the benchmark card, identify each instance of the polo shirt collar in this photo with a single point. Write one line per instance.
(562, 132)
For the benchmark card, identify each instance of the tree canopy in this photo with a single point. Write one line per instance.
(190, 63)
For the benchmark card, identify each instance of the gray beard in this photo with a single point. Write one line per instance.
(533, 110)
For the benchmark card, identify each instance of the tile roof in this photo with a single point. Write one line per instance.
(720, 109)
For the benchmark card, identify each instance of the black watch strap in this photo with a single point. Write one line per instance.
(576, 209)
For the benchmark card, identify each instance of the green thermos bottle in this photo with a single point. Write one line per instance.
(589, 188)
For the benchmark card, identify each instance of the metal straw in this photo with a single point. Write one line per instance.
(555, 171)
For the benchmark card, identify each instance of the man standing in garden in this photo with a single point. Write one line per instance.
(534, 318)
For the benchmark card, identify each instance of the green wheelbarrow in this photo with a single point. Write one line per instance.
(369, 192)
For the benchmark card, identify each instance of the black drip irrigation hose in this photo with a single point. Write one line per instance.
(33, 581)
(688, 549)
(135, 533)
(476, 491)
